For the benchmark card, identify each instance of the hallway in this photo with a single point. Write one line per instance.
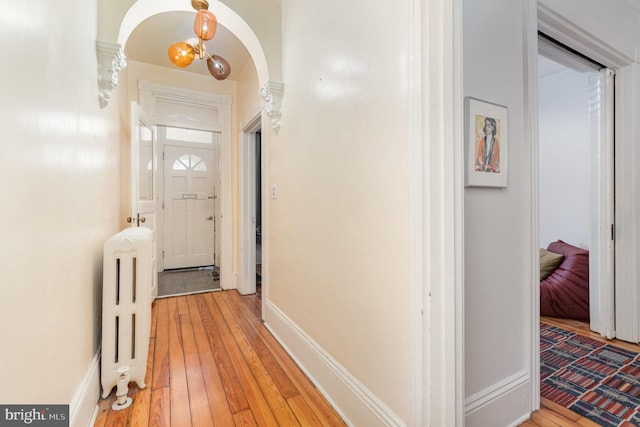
(212, 362)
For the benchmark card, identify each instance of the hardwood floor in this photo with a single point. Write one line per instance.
(213, 363)
(552, 414)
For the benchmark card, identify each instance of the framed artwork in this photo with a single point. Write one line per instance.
(486, 160)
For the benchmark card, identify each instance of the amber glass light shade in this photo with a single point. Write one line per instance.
(181, 54)
(218, 67)
(205, 24)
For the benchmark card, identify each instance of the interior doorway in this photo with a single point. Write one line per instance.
(576, 189)
(252, 188)
(576, 184)
(258, 209)
(190, 210)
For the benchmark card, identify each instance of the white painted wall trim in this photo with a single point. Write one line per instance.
(502, 410)
(532, 349)
(267, 137)
(569, 34)
(442, 214)
(83, 408)
(601, 266)
(271, 94)
(496, 391)
(178, 93)
(357, 405)
(111, 60)
(627, 179)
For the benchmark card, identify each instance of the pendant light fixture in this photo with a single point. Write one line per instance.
(182, 54)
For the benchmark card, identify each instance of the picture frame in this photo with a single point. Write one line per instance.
(486, 132)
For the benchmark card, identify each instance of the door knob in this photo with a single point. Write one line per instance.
(137, 220)
(209, 218)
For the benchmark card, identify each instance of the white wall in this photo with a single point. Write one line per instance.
(564, 158)
(498, 226)
(338, 229)
(60, 177)
(249, 101)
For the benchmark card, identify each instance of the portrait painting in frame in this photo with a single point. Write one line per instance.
(486, 144)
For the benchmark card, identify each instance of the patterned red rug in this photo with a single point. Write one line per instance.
(596, 380)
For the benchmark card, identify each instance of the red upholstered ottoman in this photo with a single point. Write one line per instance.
(565, 292)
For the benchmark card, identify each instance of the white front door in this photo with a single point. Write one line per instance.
(144, 180)
(190, 193)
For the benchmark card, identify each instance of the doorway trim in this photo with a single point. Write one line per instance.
(247, 283)
(150, 94)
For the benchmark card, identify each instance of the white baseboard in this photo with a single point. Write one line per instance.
(495, 391)
(357, 405)
(506, 403)
(83, 408)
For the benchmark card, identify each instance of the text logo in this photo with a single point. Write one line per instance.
(34, 415)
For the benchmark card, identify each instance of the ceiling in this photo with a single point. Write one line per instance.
(149, 42)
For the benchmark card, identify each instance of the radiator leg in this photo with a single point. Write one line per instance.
(122, 401)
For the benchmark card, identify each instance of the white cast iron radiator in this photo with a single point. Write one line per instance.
(126, 311)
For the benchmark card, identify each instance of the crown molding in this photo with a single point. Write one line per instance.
(271, 94)
(111, 61)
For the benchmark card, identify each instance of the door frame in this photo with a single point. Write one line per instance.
(602, 292)
(156, 99)
(247, 284)
(144, 211)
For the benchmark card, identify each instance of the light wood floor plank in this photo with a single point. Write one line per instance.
(244, 419)
(212, 362)
(268, 360)
(215, 390)
(257, 402)
(180, 414)
(117, 418)
(161, 353)
(104, 407)
(303, 411)
(198, 399)
(324, 412)
(547, 418)
(142, 398)
(230, 381)
(264, 380)
(160, 407)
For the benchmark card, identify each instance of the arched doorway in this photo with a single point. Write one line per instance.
(270, 91)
